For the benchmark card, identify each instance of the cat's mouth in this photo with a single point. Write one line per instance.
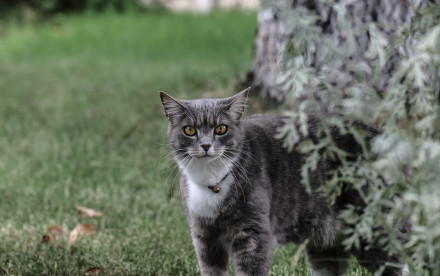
(206, 155)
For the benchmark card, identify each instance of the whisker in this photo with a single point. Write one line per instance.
(236, 181)
(241, 173)
(162, 160)
(248, 154)
(173, 183)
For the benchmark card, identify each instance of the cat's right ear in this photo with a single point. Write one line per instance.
(172, 107)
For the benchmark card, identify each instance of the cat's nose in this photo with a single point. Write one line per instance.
(205, 146)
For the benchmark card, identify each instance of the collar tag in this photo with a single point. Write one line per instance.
(215, 189)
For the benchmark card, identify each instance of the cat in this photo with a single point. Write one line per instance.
(242, 192)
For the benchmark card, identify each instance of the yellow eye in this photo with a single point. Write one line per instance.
(189, 130)
(221, 129)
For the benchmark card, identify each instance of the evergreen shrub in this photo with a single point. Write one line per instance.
(393, 83)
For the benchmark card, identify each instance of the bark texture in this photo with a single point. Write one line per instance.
(272, 34)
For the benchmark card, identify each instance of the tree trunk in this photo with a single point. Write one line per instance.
(272, 34)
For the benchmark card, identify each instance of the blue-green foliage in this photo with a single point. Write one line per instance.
(393, 83)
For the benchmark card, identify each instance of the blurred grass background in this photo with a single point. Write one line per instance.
(81, 123)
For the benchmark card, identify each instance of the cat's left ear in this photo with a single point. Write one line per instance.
(237, 103)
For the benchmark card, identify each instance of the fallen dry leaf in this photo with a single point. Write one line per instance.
(82, 229)
(93, 271)
(46, 239)
(87, 212)
(53, 233)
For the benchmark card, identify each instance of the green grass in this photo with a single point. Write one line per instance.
(81, 123)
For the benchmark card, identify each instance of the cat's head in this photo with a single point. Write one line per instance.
(206, 129)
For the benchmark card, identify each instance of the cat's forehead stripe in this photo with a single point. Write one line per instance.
(206, 111)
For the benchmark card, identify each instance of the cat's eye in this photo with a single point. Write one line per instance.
(221, 129)
(189, 130)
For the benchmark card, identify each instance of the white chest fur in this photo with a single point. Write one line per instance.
(201, 174)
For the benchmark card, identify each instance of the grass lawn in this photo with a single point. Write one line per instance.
(81, 124)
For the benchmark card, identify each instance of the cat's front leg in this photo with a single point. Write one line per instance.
(251, 252)
(212, 255)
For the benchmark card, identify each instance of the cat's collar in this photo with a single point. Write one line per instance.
(215, 188)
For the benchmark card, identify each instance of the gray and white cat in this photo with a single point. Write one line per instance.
(242, 192)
